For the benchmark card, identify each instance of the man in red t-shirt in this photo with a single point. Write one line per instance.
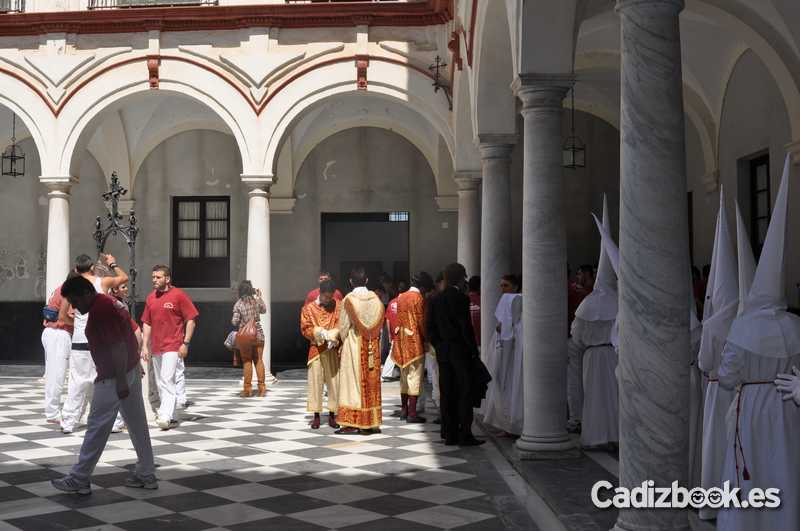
(117, 388)
(169, 322)
(314, 293)
(57, 342)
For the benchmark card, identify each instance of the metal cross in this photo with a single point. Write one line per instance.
(116, 226)
(437, 80)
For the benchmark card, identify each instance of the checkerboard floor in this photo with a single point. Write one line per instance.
(251, 463)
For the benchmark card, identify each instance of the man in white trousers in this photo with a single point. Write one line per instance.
(57, 342)
(169, 322)
(115, 353)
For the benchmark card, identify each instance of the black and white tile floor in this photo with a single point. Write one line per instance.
(251, 464)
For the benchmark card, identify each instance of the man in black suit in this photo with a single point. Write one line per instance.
(449, 329)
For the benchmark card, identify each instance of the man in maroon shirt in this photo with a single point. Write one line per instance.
(118, 387)
(169, 321)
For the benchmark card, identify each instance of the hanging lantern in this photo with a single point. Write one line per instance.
(573, 153)
(13, 163)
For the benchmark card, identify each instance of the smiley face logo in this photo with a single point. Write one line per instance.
(697, 498)
(714, 497)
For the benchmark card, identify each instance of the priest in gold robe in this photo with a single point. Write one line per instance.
(408, 350)
(360, 325)
(319, 320)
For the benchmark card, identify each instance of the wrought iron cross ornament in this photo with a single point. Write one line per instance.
(116, 226)
(437, 80)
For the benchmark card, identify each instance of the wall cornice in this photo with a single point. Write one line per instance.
(429, 13)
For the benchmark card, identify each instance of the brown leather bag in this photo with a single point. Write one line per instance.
(247, 337)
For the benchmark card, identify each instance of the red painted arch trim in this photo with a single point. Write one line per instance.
(33, 87)
(257, 109)
(329, 62)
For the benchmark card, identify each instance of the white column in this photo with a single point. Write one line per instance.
(495, 225)
(654, 260)
(544, 268)
(258, 252)
(58, 258)
(469, 221)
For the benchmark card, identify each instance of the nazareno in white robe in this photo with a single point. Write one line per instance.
(600, 416)
(769, 430)
(503, 405)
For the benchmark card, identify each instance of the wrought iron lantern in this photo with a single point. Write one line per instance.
(573, 153)
(13, 157)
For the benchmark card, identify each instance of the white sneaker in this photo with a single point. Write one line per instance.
(166, 424)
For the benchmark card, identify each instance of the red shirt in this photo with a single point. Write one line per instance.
(55, 303)
(108, 324)
(166, 312)
(314, 293)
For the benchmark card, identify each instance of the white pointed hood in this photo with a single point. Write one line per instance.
(612, 252)
(722, 295)
(765, 328)
(601, 304)
(747, 263)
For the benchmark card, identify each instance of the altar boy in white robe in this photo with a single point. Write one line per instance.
(763, 447)
(591, 335)
(719, 311)
(503, 406)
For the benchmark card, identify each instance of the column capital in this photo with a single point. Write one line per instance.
(542, 90)
(622, 5)
(793, 148)
(58, 184)
(467, 180)
(258, 184)
(495, 145)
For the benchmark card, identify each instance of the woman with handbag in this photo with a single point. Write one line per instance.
(250, 337)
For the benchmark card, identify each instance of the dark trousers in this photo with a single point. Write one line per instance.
(455, 403)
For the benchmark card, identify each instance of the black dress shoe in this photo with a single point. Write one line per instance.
(416, 419)
(471, 442)
(450, 442)
(347, 430)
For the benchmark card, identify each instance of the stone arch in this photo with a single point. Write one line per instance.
(30, 108)
(494, 105)
(696, 106)
(398, 83)
(466, 156)
(123, 83)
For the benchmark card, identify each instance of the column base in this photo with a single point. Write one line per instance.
(541, 448)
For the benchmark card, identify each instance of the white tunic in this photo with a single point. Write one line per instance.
(503, 407)
(769, 430)
(600, 417)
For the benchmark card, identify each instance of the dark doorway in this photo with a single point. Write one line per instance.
(378, 241)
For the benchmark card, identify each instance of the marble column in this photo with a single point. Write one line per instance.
(654, 260)
(469, 221)
(58, 258)
(258, 253)
(544, 268)
(495, 225)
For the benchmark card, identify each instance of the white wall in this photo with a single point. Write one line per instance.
(754, 118)
(359, 170)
